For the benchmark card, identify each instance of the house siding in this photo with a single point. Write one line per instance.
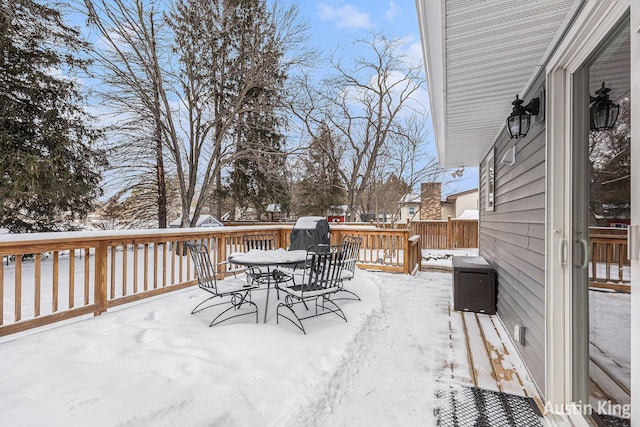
(512, 236)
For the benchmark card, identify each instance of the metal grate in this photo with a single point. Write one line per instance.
(460, 406)
(611, 421)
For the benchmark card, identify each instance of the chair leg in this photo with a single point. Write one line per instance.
(297, 322)
(354, 296)
(237, 300)
(195, 310)
(335, 310)
(233, 307)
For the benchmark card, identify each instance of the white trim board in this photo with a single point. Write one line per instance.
(593, 24)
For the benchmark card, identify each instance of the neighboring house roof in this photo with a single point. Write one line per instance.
(453, 197)
(478, 56)
(203, 221)
(410, 198)
(469, 214)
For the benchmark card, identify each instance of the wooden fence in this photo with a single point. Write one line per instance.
(447, 234)
(51, 277)
(451, 233)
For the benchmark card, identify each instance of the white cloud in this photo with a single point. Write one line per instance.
(347, 16)
(392, 11)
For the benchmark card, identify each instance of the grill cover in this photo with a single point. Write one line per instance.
(307, 231)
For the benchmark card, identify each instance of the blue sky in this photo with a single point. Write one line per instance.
(335, 24)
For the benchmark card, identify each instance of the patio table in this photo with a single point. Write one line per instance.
(268, 259)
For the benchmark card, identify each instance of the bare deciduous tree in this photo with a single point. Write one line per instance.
(371, 107)
(130, 62)
(191, 84)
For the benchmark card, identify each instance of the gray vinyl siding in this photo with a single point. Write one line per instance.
(512, 237)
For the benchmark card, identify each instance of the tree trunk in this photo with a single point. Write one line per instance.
(162, 188)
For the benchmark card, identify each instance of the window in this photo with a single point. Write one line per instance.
(412, 210)
(490, 182)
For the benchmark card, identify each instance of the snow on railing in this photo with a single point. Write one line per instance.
(51, 277)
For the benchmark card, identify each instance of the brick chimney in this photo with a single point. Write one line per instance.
(430, 206)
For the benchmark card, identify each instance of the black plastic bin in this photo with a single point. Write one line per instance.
(474, 285)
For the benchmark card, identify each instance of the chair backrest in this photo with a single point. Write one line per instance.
(265, 242)
(352, 249)
(324, 263)
(205, 272)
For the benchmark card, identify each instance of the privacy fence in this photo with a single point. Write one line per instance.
(447, 234)
(450, 233)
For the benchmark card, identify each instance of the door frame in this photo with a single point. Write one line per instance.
(593, 24)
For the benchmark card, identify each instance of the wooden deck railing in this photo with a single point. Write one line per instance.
(610, 267)
(383, 249)
(51, 277)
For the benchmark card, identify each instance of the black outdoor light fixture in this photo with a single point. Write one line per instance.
(602, 111)
(520, 118)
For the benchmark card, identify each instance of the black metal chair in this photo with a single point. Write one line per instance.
(319, 281)
(235, 292)
(258, 275)
(265, 242)
(352, 251)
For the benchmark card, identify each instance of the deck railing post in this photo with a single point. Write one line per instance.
(222, 253)
(407, 254)
(282, 239)
(100, 280)
(449, 233)
(336, 237)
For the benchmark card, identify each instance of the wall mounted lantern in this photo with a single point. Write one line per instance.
(520, 118)
(602, 111)
(458, 172)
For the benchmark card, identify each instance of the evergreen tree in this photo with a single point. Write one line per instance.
(258, 176)
(321, 187)
(49, 171)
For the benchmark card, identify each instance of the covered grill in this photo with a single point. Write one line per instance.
(309, 230)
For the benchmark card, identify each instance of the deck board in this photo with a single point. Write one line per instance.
(461, 371)
(481, 354)
(516, 363)
(482, 368)
(500, 358)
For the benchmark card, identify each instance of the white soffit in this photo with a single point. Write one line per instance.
(479, 54)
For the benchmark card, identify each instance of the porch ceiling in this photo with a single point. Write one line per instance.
(478, 56)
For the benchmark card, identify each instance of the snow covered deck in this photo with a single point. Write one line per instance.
(152, 363)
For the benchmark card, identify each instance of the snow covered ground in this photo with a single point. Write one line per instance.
(153, 363)
(442, 257)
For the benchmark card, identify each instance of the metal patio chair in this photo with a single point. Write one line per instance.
(352, 250)
(265, 242)
(232, 291)
(319, 281)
